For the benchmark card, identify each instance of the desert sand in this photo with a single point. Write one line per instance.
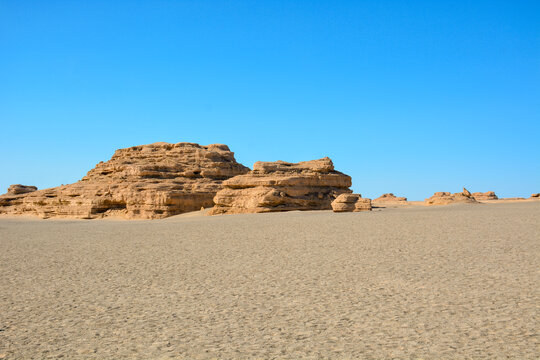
(457, 281)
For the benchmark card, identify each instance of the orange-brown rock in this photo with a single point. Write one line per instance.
(345, 202)
(390, 199)
(362, 204)
(445, 198)
(282, 186)
(17, 189)
(350, 203)
(479, 196)
(140, 182)
(535, 196)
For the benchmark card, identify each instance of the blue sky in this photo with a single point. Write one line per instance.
(409, 97)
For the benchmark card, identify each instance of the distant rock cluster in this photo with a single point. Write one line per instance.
(445, 198)
(390, 199)
(490, 195)
(161, 179)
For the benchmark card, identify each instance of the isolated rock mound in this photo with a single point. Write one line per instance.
(140, 182)
(390, 199)
(17, 189)
(479, 196)
(282, 186)
(350, 203)
(445, 198)
(535, 196)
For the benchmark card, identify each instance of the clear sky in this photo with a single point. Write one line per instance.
(409, 97)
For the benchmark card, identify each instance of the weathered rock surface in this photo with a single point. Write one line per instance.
(282, 186)
(479, 196)
(390, 199)
(362, 204)
(345, 202)
(535, 196)
(350, 203)
(17, 189)
(445, 198)
(140, 182)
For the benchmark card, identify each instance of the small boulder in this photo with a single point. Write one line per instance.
(345, 202)
(351, 203)
(362, 204)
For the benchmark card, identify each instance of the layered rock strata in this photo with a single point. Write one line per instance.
(489, 195)
(350, 203)
(390, 199)
(445, 198)
(141, 182)
(282, 186)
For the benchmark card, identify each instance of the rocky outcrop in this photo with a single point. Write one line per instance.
(140, 182)
(17, 189)
(445, 198)
(479, 196)
(350, 203)
(282, 186)
(389, 199)
(535, 196)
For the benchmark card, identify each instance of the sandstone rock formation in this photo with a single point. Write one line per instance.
(17, 189)
(535, 196)
(445, 198)
(362, 204)
(390, 199)
(351, 202)
(282, 186)
(140, 182)
(345, 202)
(479, 196)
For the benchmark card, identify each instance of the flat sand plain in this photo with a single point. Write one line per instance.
(441, 282)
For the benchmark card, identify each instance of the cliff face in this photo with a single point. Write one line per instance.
(141, 182)
(282, 186)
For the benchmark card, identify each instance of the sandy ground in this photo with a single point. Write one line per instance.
(420, 282)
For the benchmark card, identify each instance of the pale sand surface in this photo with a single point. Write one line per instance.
(419, 282)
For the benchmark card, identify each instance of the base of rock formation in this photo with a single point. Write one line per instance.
(479, 196)
(141, 182)
(445, 198)
(282, 186)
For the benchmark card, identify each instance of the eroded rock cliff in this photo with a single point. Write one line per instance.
(141, 182)
(282, 186)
